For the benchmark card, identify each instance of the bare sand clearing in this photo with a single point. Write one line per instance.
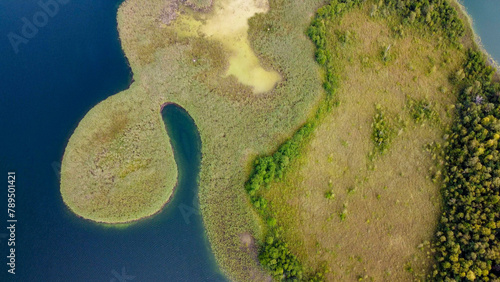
(229, 25)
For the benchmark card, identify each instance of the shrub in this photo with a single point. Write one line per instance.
(382, 132)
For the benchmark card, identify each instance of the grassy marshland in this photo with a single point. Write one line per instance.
(173, 63)
(363, 170)
(109, 174)
(369, 153)
(349, 160)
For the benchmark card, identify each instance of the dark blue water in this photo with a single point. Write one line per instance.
(486, 17)
(72, 62)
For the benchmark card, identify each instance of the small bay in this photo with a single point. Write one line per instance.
(49, 82)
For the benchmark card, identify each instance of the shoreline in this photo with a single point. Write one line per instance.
(115, 224)
(207, 227)
(462, 9)
(170, 198)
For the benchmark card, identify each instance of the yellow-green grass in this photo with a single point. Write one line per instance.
(235, 124)
(385, 206)
(118, 166)
(177, 63)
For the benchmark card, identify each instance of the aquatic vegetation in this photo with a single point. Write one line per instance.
(104, 165)
(235, 125)
(229, 25)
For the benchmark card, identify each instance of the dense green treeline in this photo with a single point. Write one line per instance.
(274, 253)
(467, 247)
(434, 14)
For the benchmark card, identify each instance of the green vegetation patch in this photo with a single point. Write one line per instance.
(433, 17)
(467, 247)
(382, 131)
(422, 110)
(106, 175)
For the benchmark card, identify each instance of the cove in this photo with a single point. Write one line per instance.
(182, 214)
(168, 246)
(72, 64)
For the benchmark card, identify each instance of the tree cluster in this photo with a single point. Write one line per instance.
(276, 256)
(269, 168)
(422, 110)
(467, 247)
(435, 14)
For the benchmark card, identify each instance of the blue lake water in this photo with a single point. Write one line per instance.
(486, 18)
(65, 67)
(72, 62)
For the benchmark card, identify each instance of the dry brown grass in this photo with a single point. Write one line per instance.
(392, 208)
(200, 5)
